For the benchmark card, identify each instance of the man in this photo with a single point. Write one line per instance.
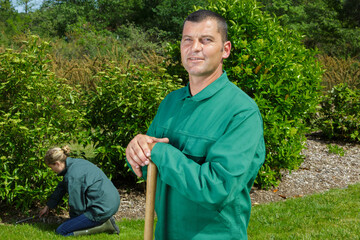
(206, 141)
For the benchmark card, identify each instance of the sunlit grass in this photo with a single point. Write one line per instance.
(330, 215)
(129, 229)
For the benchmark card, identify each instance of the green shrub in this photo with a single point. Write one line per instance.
(37, 111)
(83, 40)
(136, 40)
(123, 105)
(339, 113)
(271, 65)
(327, 24)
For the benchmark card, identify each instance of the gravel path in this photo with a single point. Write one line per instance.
(319, 172)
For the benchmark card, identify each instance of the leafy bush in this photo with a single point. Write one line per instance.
(271, 65)
(339, 115)
(123, 105)
(136, 40)
(327, 24)
(37, 111)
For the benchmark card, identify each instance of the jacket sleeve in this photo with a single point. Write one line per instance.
(57, 195)
(231, 163)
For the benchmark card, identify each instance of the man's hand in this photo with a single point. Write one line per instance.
(138, 152)
(44, 211)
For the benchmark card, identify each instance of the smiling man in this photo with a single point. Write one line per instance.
(207, 142)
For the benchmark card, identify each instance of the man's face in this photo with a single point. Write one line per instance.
(202, 48)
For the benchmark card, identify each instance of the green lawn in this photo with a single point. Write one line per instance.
(331, 215)
(129, 229)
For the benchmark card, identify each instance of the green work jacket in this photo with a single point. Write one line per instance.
(207, 170)
(90, 192)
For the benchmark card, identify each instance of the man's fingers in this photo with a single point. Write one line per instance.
(133, 159)
(136, 168)
(138, 151)
(163, 140)
(142, 148)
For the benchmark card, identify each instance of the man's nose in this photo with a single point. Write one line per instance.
(197, 45)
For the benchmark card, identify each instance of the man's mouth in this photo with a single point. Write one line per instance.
(195, 59)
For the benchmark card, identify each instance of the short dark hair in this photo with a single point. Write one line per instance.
(202, 15)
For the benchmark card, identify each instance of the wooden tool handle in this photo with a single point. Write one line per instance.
(150, 201)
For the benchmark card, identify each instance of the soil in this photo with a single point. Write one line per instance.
(320, 171)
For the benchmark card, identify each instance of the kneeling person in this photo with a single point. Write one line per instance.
(93, 199)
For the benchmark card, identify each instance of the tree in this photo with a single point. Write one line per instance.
(27, 4)
(170, 14)
(6, 10)
(327, 24)
(11, 22)
(352, 11)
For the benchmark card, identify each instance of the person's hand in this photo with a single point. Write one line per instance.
(138, 151)
(44, 211)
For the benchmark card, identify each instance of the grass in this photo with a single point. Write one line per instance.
(331, 215)
(129, 229)
(334, 214)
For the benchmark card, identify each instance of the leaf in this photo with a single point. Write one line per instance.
(283, 196)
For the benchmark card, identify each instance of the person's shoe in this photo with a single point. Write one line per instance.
(109, 226)
(114, 225)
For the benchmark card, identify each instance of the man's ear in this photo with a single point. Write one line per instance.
(227, 49)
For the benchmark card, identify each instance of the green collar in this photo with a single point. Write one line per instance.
(207, 92)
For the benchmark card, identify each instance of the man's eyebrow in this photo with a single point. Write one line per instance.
(202, 36)
(207, 36)
(186, 36)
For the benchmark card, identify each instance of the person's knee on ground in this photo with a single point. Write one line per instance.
(109, 227)
(62, 231)
(77, 223)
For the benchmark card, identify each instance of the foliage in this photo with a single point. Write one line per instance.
(339, 115)
(54, 17)
(27, 5)
(137, 41)
(333, 148)
(170, 15)
(327, 24)
(6, 10)
(164, 16)
(11, 23)
(351, 12)
(83, 40)
(123, 105)
(339, 70)
(37, 111)
(272, 66)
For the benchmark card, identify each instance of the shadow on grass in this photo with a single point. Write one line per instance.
(45, 227)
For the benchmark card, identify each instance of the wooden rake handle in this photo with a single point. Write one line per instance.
(150, 201)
